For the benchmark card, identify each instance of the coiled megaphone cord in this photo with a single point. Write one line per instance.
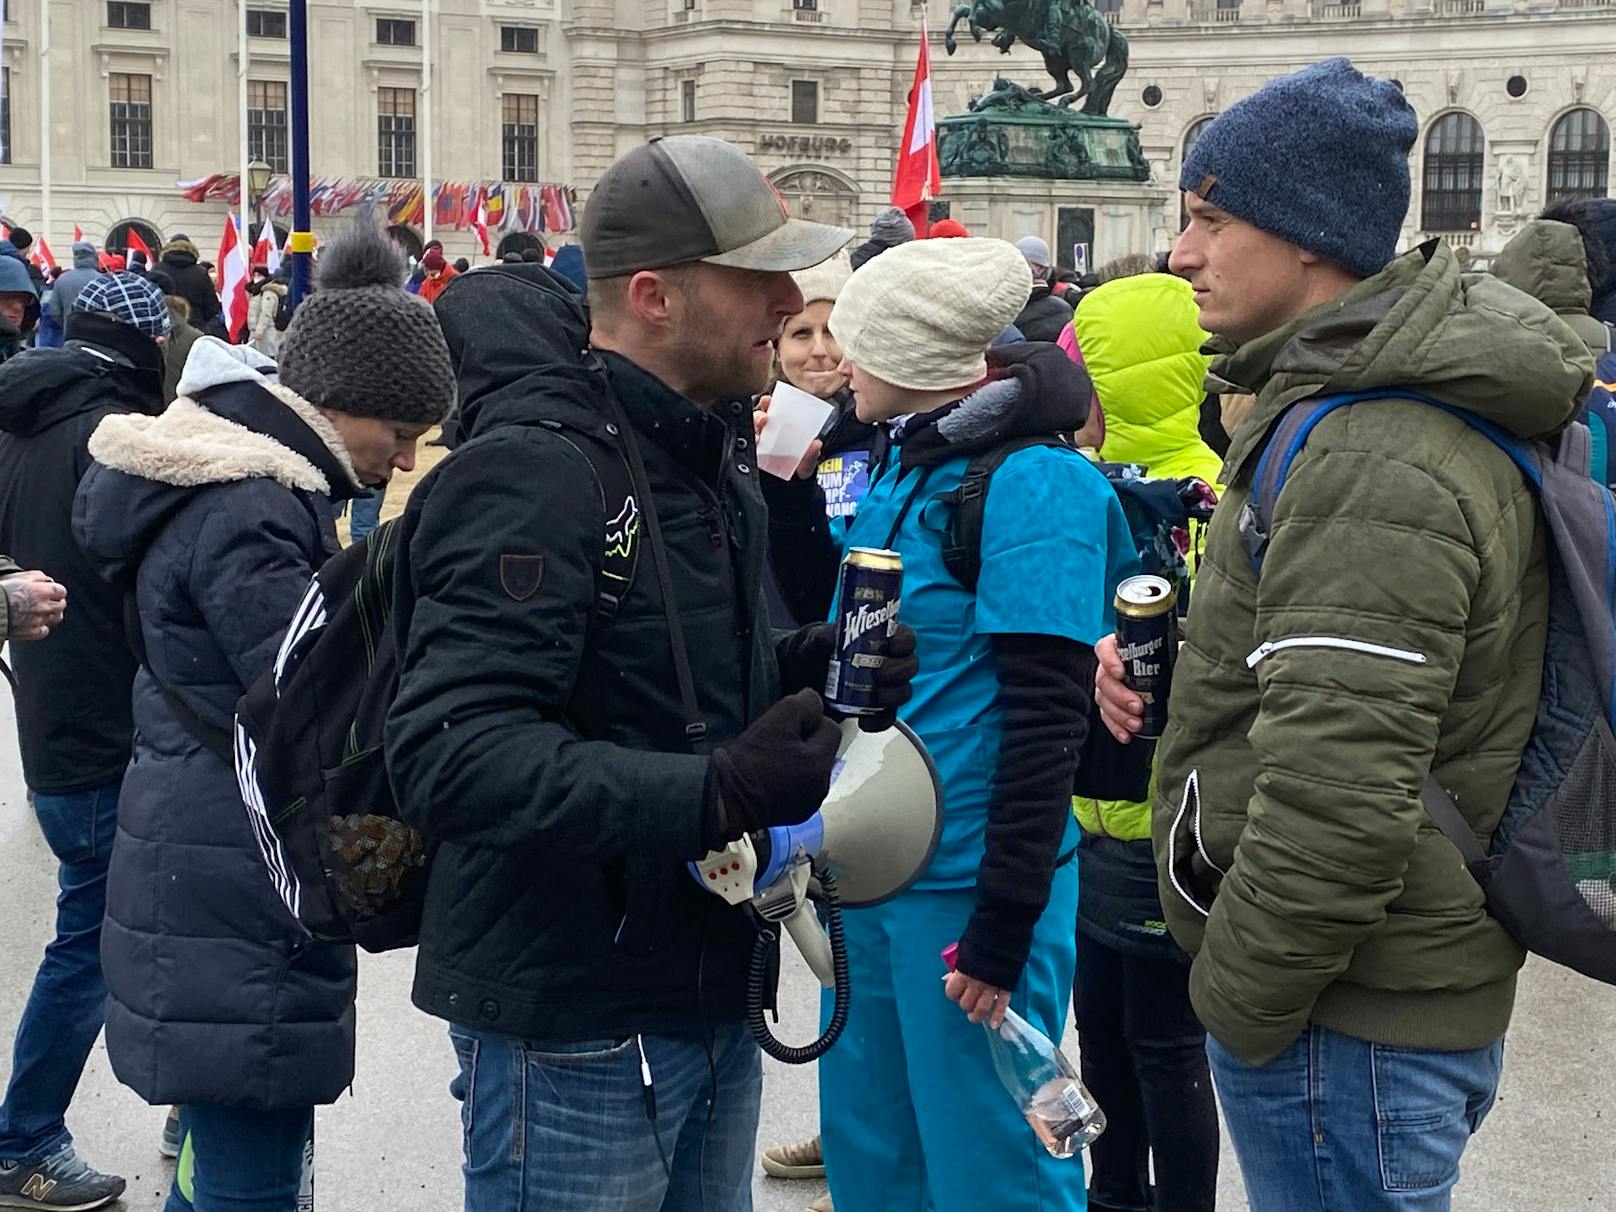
(767, 939)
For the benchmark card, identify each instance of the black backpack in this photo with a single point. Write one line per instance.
(308, 734)
(284, 310)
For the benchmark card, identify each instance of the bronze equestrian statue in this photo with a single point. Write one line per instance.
(1070, 34)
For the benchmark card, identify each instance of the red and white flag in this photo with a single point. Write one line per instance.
(918, 179)
(267, 252)
(479, 222)
(40, 255)
(233, 279)
(78, 233)
(134, 244)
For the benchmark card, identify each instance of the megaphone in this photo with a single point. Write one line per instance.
(872, 838)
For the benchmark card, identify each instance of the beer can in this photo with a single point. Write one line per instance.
(1147, 643)
(867, 614)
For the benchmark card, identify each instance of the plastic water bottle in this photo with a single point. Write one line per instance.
(1059, 1108)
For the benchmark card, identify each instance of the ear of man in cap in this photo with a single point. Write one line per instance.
(922, 316)
(363, 345)
(1318, 158)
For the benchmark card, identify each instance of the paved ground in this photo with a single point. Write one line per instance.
(1549, 1147)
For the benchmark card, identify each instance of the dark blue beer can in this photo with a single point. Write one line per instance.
(867, 614)
(1147, 642)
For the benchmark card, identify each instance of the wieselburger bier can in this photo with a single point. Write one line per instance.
(867, 614)
(1147, 642)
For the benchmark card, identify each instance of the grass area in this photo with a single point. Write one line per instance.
(403, 483)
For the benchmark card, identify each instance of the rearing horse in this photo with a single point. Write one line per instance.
(1071, 36)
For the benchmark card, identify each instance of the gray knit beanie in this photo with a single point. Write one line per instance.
(363, 345)
(890, 229)
(1318, 158)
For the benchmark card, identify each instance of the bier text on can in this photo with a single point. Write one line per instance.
(1147, 643)
(866, 615)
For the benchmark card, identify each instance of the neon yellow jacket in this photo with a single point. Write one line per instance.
(1142, 344)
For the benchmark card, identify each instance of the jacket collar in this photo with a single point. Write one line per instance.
(696, 437)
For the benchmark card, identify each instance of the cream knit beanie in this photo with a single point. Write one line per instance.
(824, 281)
(922, 315)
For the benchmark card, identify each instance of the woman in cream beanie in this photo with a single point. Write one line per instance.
(1001, 703)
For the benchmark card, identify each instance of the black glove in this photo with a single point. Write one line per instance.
(892, 680)
(777, 772)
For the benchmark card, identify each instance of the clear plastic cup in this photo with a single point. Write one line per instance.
(794, 420)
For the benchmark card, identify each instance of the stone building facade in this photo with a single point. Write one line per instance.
(144, 95)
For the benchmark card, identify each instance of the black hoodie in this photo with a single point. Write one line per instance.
(73, 720)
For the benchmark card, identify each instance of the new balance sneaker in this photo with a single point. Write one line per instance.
(60, 1182)
(169, 1146)
(804, 1159)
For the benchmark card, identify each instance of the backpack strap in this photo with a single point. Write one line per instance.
(216, 740)
(968, 506)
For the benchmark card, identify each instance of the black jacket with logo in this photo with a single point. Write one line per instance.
(541, 747)
(73, 706)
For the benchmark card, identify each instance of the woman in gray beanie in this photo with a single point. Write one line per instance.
(890, 229)
(1001, 702)
(216, 514)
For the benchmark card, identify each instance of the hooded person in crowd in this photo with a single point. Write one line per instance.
(19, 302)
(179, 261)
(74, 728)
(86, 268)
(1334, 930)
(890, 229)
(438, 272)
(1045, 315)
(264, 295)
(1143, 1052)
(913, 1114)
(216, 514)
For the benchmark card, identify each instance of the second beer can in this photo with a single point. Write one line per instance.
(866, 615)
(1147, 643)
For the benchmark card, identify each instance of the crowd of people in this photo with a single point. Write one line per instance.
(593, 692)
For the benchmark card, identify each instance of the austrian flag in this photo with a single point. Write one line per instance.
(918, 179)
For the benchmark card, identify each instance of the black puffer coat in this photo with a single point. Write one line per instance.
(180, 262)
(216, 995)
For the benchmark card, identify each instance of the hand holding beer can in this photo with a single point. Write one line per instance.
(866, 616)
(1147, 643)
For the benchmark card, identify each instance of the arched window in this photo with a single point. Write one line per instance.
(408, 239)
(118, 238)
(1190, 136)
(1455, 152)
(1579, 157)
(518, 242)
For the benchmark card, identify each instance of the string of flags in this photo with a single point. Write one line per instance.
(500, 205)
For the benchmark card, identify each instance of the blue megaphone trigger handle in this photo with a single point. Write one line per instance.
(788, 844)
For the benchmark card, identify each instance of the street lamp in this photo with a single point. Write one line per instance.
(258, 174)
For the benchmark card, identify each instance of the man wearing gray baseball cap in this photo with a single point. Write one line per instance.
(590, 696)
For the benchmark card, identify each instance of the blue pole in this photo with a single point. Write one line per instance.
(302, 238)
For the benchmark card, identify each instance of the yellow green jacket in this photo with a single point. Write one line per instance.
(1142, 345)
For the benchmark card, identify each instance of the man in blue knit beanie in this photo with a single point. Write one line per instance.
(1354, 988)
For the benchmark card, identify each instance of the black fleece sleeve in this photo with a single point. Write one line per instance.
(802, 554)
(1046, 684)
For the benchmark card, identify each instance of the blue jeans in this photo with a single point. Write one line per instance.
(234, 1160)
(1337, 1124)
(68, 1003)
(364, 514)
(565, 1127)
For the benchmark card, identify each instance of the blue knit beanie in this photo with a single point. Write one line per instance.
(1318, 158)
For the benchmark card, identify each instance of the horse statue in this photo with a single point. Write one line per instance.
(1069, 34)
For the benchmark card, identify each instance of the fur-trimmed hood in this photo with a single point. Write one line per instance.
(148, 468)
(180, 252)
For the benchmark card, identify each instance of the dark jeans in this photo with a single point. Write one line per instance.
(1144, 1060)
(68, 1002)
(565, 1126)
(234, 1160)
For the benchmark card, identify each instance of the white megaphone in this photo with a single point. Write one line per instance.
(872, 838)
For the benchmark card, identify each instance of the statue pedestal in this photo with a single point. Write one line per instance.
(1113, 218)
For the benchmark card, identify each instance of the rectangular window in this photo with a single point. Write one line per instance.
(265, 23)
(805, 6)
(5, 115)
(128, 14)
(519, 39)
(395, 132)
(392, 32)
(690, 6)
(687, 100)
(521, 142)
(266, 123)
(131, 99)
(804, 102)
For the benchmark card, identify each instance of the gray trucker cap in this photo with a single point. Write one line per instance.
(691, 198)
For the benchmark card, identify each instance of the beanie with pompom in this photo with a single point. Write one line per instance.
(363, 345)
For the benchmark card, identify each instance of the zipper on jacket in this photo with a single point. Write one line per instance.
(1330, 641)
